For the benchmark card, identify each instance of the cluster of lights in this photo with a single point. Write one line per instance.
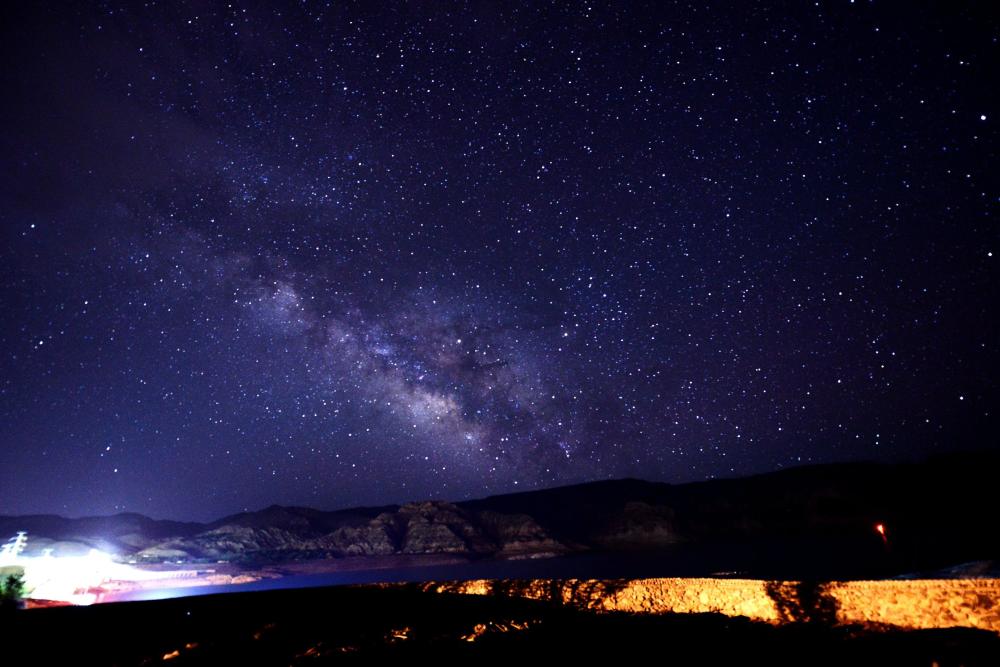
(76, 580)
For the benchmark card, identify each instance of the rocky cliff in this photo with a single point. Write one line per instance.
(430, 527)
(934, 514)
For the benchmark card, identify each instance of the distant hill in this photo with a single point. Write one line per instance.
(936, 514)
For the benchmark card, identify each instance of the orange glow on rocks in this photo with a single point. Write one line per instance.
(910, 604)
(481, 629)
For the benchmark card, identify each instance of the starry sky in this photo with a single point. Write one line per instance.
(335, 254)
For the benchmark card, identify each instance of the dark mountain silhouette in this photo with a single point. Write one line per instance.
(935, 514)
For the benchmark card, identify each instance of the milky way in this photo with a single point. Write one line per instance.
(339, 254)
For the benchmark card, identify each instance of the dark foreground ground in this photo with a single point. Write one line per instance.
(367, 624)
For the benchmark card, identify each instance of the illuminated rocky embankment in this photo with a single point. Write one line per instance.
(911, 603)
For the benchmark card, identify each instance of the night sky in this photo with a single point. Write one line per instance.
(356, 253)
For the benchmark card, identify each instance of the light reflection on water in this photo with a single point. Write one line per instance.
(791, 560)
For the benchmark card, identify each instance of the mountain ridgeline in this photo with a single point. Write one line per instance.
(934, 514)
